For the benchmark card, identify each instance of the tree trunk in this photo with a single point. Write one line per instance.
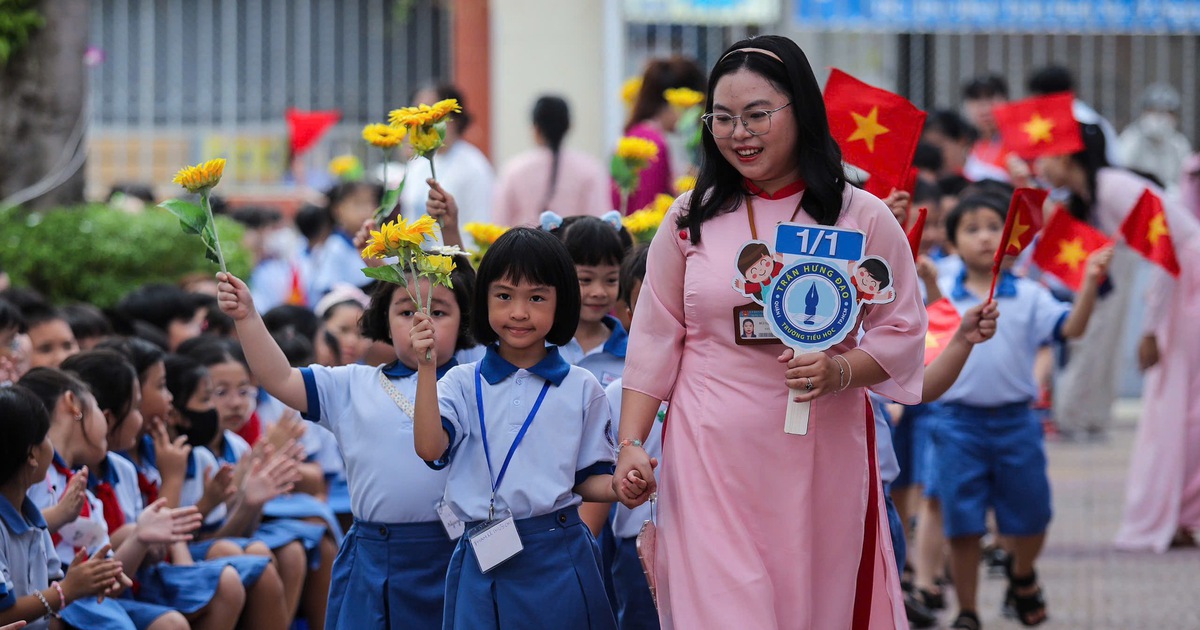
(43, 96)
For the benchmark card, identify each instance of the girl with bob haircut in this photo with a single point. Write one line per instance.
(527, 295)
(396, 531)
(817, 553)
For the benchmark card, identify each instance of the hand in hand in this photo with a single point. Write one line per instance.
(233, 296)
(219, 487)
(73, 499)
(171, 457)
(161, 524)
(1097, 263)
(811, 367)
(978, 323)
(422, 339)
(289, 428)
(441, 205)
(90, 576)
(633, 482)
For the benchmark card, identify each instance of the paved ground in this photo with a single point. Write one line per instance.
(1088, 584)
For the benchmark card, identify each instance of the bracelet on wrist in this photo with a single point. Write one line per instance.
(628, 442)
(62, 598)
(49, 611)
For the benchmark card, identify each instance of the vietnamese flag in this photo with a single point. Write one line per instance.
(877, 130)
(1020, 226)
(914, 234)
(944, 321)
(1145, 230)
(1043, 125)
(1065, 246)
(306, 128)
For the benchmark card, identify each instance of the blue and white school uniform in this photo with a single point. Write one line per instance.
(28, 562)
(335, 261)
(635, 606)
(390, 571)
(988, 444)
(186, 588)
(281, 524)
(607, 361)
(89, 532)
(546, 429)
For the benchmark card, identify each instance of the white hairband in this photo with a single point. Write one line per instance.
(761, 51)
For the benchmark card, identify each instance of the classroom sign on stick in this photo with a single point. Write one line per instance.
(813, 299)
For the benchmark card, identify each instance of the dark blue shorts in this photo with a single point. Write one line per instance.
(991, 457)
(910, 440)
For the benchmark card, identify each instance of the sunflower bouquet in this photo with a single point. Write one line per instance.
(632, 157)
(386, 138)
(426, 125)
(403, 241)
(644, 223)
(484, 234)
(198, 219)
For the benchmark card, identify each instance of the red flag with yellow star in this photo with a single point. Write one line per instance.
(1065, 246)
(877, 130)
(944, 320)
(1020, 226)
(1145, 230)
(1043, 125)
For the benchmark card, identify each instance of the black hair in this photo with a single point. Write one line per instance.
(1092, 158)
(216, 322)
(296, 319)
(149, 333)
(311, 220)
(661, 75)
(443, 91)
(37, 314)
(528, 255)
(111, 378)
(210, 351)
(24, 299)
(297, 348)
(552, 119)
(86, 321)
(49, 385)
(256, 217)
(11, 317)
(986, 86)
(969, 204)
(633, 270)
(159, 305)
(925, 192)
(877, 269)
(138, 191)
(24, 422)
(330, 340)
(952, 185)
(141, 354)
(928, 157)
(183, 377)
(719, 186)
(994, 187)
(1050, 80)
(951, 124)
(591, 241)
(375, 324)
(341, 191)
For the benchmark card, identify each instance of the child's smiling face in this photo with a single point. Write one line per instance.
(865, 282)
(759, 271)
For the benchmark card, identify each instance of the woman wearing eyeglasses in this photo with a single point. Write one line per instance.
(758, 528)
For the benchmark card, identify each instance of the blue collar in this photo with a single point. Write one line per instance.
(58, 459)
(146, 450)
(396, 369)
(191, 464)
(552, 367)
(1006, 286)
(107, 472)
(618, 340)
(227, 453)
(337, 231)
(19, 523)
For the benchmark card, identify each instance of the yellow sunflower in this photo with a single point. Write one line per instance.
(639, 150)
(435, 264)
(685, 183)
(417, 231)
(343, 165)
(383, 136)
(630, 89)
(683, 98)
(201, 176)
(425, 140)
(441, 109)
(484, 234)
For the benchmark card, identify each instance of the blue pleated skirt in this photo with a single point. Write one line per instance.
(112, 614)
(188, 588)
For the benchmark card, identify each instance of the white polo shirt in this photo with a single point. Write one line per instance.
(607, 361)
(28, 562)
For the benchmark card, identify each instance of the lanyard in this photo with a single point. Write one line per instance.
(750, 215)
(516, 441)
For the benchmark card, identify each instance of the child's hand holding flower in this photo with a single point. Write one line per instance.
(233, 296)
(422, 339)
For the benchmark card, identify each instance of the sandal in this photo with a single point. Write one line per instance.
(933, 600)
(966, 620)
(1026, 607)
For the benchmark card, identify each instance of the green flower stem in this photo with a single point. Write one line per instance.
(213, 222)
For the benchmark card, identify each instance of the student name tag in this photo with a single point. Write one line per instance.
(495, 542)
(450, 521)
(750, 326)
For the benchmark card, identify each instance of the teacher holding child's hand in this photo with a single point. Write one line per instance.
(759, 528)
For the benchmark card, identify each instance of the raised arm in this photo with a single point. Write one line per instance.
(1085, 300)
(266, 359)
(429, 437)
(978, 325)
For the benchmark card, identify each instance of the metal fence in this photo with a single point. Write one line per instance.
(176, 82)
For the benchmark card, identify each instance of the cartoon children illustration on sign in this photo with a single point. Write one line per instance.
(758, 267)
(872, 277)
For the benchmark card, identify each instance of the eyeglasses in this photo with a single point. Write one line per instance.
(244, 392)
(756, 122)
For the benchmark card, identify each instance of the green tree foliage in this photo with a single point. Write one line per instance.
(18, 20)
(97, 254)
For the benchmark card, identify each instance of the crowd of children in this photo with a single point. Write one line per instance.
(222, 456)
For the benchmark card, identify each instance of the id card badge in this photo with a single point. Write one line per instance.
(450, 521)
(495, 541)
(750, 326)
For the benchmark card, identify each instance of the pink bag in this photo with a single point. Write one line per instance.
(647, 541)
